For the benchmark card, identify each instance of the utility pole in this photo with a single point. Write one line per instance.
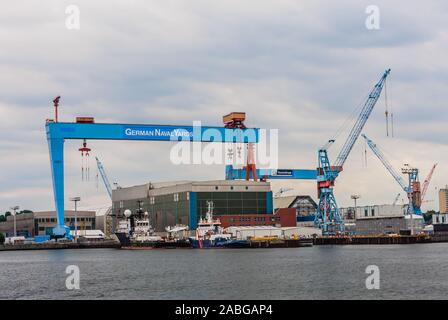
(14, 209)
(75, 200)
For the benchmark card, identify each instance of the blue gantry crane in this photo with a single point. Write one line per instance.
(271, 174)
(412, 188)
(85, 128)
(328, 216)
(104, 177)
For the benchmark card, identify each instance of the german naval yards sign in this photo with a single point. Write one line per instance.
(158, 132)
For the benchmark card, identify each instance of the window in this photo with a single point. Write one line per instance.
(231, 187)
(373, 212)
(216, 188)
(366, 212)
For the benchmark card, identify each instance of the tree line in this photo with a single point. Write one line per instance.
(5, 215)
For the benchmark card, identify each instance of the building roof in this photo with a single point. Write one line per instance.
(289, 201)
(284, 202)
(155, 189)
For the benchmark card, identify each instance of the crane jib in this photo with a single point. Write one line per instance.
(361, 121)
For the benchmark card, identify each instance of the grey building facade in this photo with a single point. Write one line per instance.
(40, 223)
(185, 202)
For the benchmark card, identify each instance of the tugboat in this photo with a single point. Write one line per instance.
(209, 232)
(135, 232)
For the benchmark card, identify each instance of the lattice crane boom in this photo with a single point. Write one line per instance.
(427, 181)
(104, 177)
(361, 121)
(386, 163)
(396, 199)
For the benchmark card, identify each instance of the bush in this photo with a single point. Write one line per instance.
(2, 238)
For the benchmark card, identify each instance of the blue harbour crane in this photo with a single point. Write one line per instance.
(412, 187)
(104, 177)
(328, 217)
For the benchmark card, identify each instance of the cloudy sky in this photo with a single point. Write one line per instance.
(299, 66)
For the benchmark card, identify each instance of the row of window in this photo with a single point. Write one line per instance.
(49, 220)
(176, 197)
(366, 212)
(259, 219)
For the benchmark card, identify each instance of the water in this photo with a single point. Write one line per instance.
(323, 272)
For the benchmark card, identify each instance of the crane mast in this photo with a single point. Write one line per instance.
(328, 216)
(104, 177)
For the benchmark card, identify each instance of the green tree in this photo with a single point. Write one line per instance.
(2, 218)
(2, 238)
(428, 215)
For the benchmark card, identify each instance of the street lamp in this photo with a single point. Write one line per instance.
(14, 209)
(355, 197)
(75, 200)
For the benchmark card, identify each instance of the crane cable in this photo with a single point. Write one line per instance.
(353, 115)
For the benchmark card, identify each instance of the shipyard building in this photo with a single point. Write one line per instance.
(443, 200)
(381, 219)
(185, 202)
(304, 205)
(33, 224)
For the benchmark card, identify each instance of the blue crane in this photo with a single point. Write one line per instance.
(272, 174)
(412, 188)
(85, 128)
(104, 177)
(328, 216)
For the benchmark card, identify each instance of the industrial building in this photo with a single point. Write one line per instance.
(443, 200)
(41, 223)
(285, 217)
(373, 211)
(440, 218)
(185, 202)
(382, 219)
(304, 205)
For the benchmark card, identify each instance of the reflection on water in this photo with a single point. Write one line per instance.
(321, 272)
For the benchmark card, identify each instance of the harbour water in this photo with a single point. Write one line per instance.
(418, 271)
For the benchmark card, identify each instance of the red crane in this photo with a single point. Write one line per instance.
(427, 181)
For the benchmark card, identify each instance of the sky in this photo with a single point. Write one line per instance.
(298, 66)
